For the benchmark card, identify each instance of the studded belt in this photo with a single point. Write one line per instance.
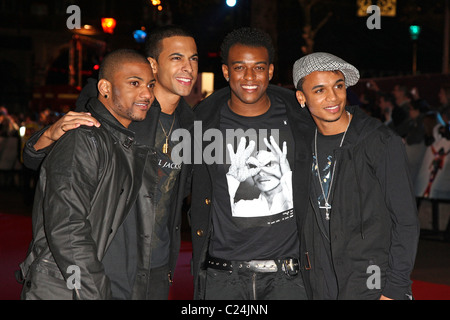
(289, 265)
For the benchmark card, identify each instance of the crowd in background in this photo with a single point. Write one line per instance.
(409, 114)
(424, 128)
(10, 123)
(15, 130)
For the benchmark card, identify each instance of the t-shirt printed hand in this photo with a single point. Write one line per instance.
(266, 173)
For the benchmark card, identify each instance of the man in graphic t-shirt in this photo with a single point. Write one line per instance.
(244, 229)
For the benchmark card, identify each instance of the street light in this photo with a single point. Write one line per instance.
(108, 25)
(414, 32)
(140, 35)
(231, 3)
(157, 3)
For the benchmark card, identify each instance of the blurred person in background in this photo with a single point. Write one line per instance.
(8, 126)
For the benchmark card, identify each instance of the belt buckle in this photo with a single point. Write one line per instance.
(288, 267)
(261, 266)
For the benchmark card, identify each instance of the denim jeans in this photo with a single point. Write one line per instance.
(247, 285)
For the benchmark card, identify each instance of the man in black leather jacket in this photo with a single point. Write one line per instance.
(172, 52)
(87, 185)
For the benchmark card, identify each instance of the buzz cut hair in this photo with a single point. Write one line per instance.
(247, 36)
(153, 42)
(115, 59)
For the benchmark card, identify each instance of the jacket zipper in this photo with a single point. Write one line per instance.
(254, 285)
(318, 214)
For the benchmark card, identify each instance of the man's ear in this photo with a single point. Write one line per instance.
(271, 68)
(154, 64)
(225, 72)
(104, 87)
(300, 98)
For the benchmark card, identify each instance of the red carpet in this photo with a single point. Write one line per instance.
(15, 236)
(430, 291)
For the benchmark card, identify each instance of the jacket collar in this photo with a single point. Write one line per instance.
(107, 120)
(185, 114)
(361, 126)
(208, 110)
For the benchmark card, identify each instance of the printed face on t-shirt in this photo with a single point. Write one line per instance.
(268, 178)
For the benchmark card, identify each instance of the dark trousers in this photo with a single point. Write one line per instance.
(246, 285)
(159, 284)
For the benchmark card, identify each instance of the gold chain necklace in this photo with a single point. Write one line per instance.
(165, 148)
(327, 204)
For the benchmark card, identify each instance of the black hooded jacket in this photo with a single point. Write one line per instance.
(374, 227)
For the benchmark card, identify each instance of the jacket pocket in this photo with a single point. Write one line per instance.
(44, 281)
(48, 267)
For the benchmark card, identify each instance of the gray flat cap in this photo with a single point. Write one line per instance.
(322, 61)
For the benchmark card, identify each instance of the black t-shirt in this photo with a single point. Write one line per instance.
(325, 150)
(253, 219)
(168, 173)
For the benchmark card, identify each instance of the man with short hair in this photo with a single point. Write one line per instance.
(172, 52)
(252, 255)
(85, 189)
(360, 227)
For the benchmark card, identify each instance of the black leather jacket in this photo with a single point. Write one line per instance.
(145, 132)
(87, 185)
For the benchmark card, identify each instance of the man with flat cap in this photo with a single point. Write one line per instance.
(361, 227)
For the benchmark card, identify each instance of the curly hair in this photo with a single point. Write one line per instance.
(247, 36)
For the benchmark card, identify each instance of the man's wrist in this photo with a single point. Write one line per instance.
(44, 141)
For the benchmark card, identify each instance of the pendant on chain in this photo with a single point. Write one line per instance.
(165, 148)
(327, 208)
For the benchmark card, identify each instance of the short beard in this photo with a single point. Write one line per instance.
(127, 112)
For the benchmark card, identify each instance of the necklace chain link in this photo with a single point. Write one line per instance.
(327, 204)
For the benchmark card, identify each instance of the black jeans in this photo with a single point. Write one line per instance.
(242, 284)
(159, 284)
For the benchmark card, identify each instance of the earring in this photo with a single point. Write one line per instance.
(228, 79)
(302, 105)
(106, 96)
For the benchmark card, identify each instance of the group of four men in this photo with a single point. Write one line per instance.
(304, 207)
